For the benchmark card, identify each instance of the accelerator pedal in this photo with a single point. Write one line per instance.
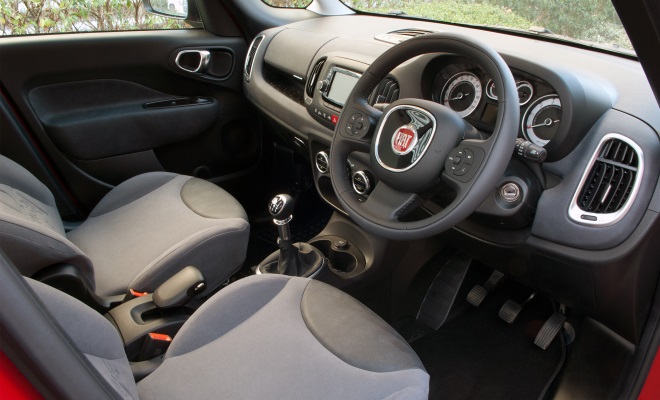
(510, 310)
(479, 293)
(549, 330)
(442, 294)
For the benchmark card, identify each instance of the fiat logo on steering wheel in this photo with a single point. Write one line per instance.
(404, 139)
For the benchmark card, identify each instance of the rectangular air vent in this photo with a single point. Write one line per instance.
(314, 77)
(385, 93)
(249, 60)
(401, 35)
(609, 185)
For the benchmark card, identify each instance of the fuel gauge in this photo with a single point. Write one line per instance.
(525, 92)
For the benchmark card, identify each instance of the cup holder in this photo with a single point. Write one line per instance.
(343, 257)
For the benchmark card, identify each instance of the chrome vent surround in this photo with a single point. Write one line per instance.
(401, 35)
(386, 92)
(610, 183)
(249, 60)
(314, 77)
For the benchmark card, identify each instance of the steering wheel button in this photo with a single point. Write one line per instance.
(469, 157)
(462, 170)
(349, 129)
(456, 160)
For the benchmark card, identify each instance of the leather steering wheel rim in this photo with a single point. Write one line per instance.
(396, 191)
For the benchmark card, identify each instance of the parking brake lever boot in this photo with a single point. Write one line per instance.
(300, 259)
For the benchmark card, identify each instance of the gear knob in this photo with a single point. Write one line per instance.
(281, 208)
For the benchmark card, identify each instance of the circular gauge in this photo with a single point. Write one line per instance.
(542, 119)
(525, 92)
(491, 92)
(462, 93)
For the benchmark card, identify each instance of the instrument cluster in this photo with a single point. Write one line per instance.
(465, 88)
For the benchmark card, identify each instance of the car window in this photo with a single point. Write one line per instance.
(27, 17)
(590, 22)
(288, 3)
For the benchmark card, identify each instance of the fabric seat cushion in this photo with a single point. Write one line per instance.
(149, 227)
(31, 231)
(93, 335)
(251, 341)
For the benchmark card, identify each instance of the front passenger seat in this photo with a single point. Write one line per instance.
(140, 234)
(262, 337)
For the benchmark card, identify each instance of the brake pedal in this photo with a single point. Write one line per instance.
(478, 293)
(549, 330)
(510, 310)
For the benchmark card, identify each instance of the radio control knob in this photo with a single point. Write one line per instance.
(323, 85)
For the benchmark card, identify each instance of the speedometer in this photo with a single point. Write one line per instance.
(542, 118)
(462, 93)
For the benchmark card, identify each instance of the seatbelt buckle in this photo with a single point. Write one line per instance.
(155, 344)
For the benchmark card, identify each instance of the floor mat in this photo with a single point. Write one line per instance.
(479, 356)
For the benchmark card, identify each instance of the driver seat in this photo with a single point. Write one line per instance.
(263, 337)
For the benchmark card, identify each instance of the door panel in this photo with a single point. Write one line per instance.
(102, 107)
(91, 120)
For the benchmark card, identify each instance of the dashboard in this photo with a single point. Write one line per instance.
(580, 189)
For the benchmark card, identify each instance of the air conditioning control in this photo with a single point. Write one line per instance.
(323, 86)
(362, 182)
(322, 163)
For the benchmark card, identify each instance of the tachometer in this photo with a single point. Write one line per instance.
(541, 120)
(462, 93)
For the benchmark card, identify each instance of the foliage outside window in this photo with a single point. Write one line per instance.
(25, 17)
(593, 21)
(288, 3)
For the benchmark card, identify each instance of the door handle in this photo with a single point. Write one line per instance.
(195, 61)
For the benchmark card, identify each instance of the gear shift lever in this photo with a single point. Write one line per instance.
(281, 208)
(300, 259)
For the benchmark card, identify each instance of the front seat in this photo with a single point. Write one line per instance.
(263, 337)
(140, 234)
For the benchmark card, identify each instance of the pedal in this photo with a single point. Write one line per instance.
(478, 293)
(549, 330)
(510, 310)
(443, 292)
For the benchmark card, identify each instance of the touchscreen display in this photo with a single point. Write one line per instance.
(341, 86)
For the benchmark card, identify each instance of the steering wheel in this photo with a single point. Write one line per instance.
(415, 143)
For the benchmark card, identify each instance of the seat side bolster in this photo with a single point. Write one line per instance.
(225, 311)
(354, 333)
(19, 178)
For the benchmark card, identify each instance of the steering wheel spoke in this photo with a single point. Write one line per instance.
(388, 204)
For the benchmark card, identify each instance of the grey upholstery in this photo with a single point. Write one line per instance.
(94, 336)
(140, 234)
(251, 341)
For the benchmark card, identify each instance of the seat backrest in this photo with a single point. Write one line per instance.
(31, 230)
(93, 335)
